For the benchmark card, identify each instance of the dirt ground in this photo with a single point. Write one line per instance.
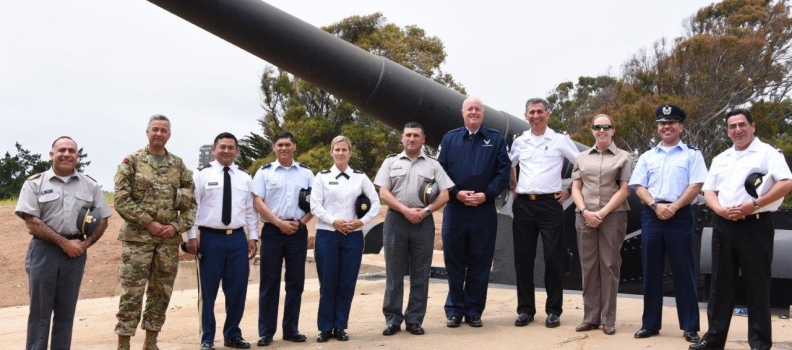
(104, 258)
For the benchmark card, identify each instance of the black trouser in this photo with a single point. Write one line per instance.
(741, 246)
(533, 218)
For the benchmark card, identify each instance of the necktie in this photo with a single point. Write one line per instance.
(342, 174)
(226, 197)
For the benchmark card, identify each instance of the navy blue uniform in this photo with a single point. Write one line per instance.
(478, 163)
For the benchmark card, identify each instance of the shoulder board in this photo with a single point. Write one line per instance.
(303, 165)
(491, 130)
(243, 170)
(326, 171)
(693, 147)
(34, 176)
(391, 155)
(649, 148)
(89, 176)
(202, 167)
(266, 166)
(774, 147)
(357, 171)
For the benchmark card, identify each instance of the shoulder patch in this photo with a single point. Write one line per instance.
(35, 176)
(89, 176)
(357, 171)
(391, 155)
(266, 166)
(303, 165)
(325, 171)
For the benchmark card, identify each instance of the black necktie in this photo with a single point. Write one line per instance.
(226, 197)
(342, 174)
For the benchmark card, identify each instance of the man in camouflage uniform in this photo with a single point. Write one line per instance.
(154, 194)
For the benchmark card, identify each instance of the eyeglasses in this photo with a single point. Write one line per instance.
(606, 127)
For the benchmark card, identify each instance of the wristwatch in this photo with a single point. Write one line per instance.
(428, 212)
(756, 204)
(653, 205)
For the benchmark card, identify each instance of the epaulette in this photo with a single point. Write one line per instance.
(649, 148)
(391, 155)
(266, 166)
(36, 176)
(243, 170)
(89, 176)
(357, 171)
(202, 167)
(774, 147)
(491, 130)
(326, 171)
(693, 147)
(304, 166)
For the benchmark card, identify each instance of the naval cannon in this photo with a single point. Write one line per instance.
(396, 95)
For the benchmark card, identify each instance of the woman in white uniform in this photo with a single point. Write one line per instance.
(339, 239)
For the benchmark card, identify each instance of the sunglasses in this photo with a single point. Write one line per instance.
(606, 127)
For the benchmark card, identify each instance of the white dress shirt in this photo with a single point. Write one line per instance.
(333, 197)
(280, 187)
(730, 169)
(209, 184)
(541, 159)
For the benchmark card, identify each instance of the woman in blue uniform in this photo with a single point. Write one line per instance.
(339, 239)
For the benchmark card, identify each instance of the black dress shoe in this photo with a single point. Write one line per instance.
(207, 346)
(453, 322)
(340, 334)
(324, 336)
(552, 321)
(692, 337)
(523, 319)
(646, 333)
(264, 341)
(295, 337)
(415, 329)
(703, 345)
(391, 329)
(474, 321)
(236, 343)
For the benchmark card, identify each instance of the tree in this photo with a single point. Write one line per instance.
(15, 170)
(315, 116)
(735, 53)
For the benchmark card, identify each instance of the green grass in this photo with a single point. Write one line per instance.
(9, 201)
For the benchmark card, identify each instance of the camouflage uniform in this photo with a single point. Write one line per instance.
(146, 191)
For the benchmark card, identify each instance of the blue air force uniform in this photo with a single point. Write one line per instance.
(666, 172)
(279, 187)
(223, 247)
(475, 162)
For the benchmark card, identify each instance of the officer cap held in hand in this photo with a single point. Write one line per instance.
(670, 113)
(362, 205)
(86, 222)
(305, 200)
(427, 192)
(752, 184)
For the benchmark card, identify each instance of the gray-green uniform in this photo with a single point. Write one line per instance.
(54, 276)
(159, 188)
(406, 242)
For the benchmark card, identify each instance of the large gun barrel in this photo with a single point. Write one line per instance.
(375, 85)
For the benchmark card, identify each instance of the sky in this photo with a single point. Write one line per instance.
(96, 70)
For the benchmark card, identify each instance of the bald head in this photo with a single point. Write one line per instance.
(473, 113)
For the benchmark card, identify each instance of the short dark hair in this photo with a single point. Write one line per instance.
(414, 125)
(226, 135)
(533, 101)
(738, 111)
(61, 138)
(283, 135)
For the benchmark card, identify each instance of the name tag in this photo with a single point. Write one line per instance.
(212, 184)
(333, 182)
(46, 191)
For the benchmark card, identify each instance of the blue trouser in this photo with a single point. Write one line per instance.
(674, 237)
(54, 287)
(337, 263)
(468, 248)
(224, 257)
(275, 248)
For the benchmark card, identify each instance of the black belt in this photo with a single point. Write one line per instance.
(74, 237)
(664, 202)
(221, 231)
(536, 197)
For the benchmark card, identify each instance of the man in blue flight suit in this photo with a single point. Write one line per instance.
(475, 159)
(667, 179)
(284, 237)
